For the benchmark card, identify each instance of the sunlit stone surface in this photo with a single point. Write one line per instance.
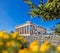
(29, 28)
(34, 32)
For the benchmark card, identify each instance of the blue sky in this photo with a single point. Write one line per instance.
(14, 12)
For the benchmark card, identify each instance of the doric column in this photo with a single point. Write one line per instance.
(23, 30)
(26, 29)
(29, 29)
(20, 31)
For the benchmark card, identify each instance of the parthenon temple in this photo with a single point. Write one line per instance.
(33, 32)
(29, 28)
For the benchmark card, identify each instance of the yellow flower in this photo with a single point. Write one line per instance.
(52, 44)
(25, 40)
(20, 38)
(20, 51)
(19, 45)
(46, 42)
(1, 34)
(13, 43)
(44, 48)
(1, 43)
(14, 35)
(58, 48)
(25, 50)
(5, 36)
(8, 44)
(34, 46)
(5, 51)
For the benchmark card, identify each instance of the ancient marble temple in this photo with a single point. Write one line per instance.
(29, 28)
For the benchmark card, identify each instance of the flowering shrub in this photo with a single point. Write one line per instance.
(13, 43)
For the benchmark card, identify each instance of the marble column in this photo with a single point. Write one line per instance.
(20, 30)
(29, 29)
(26, 29)
(23, 30)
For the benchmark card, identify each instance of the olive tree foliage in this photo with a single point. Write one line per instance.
(57, 29)
(48, 11)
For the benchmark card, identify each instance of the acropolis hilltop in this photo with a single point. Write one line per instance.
(29, 28)
(33, 32)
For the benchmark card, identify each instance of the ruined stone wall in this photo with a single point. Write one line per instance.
(42, 38)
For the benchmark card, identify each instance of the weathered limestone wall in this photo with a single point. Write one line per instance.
(42, 38)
